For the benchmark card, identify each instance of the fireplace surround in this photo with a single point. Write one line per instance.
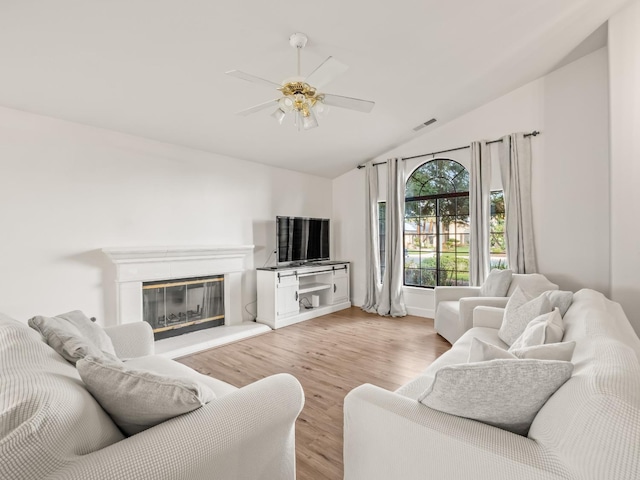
(136, 266)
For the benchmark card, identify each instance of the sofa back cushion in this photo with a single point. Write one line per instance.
(593, 420)
(532, 283)
(47, 417)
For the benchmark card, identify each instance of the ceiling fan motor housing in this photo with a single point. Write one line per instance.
(298, 40)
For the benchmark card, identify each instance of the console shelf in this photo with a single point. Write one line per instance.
(285, 294)
(313, 287)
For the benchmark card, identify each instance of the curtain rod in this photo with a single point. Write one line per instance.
(535, 133)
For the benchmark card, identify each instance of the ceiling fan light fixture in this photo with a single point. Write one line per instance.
(309, 120)
(279, 115)
(286, 104)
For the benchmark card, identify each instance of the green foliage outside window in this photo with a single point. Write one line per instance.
(436, 233)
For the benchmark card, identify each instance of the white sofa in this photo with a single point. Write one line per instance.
(588, 429)
(454, 305)
(51, 427)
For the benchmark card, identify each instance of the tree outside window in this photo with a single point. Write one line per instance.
(436, 228)
(497, 242)
(382, 215)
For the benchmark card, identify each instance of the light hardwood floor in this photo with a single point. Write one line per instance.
(330, 356)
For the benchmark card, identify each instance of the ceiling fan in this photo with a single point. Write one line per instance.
(300, 95)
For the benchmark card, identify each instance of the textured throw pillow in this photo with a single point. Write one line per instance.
(138, 399)
(520, 310)
(496, 284)
(73, 335)
(481, 351)
(561, 299)
(504, 393)
(546, 328)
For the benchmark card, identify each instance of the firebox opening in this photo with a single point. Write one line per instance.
(174, 307)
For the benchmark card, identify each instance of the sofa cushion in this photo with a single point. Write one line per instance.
(533, 283)
(482, 351)
(73, 335)
(593, 421)
(139, 399)
(503, 393)
(496, 284)
(47, 417)
(520, 310)
(560, 299)
(546, 328)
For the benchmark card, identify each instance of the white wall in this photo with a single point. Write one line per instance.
(67, 191)
(570, 173)
(624, 65)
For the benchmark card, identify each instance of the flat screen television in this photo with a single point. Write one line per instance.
(301, 240)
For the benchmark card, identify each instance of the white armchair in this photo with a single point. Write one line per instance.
(454, 305)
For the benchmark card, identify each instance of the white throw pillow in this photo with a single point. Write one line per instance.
(561, 299)
(546, 328)
(520, 310)
(482, 351)
(550, 351)
(73, 335)
(496, 284)
(138, 399)
(504, 393)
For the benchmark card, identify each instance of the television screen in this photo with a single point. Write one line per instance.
(301, 239)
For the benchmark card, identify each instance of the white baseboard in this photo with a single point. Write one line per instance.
(421, 312)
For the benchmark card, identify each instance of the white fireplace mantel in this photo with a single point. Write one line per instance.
(135, 265)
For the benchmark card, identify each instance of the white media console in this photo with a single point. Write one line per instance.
(286, 294)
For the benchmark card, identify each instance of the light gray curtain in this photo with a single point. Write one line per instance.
(372, 248)
(391, 298)
(515, 169)
(479, 212)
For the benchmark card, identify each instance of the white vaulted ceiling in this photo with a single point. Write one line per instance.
(155, 68)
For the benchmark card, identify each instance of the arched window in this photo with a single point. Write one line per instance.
(436, 227)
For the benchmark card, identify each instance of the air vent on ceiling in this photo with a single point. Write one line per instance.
(425, 124)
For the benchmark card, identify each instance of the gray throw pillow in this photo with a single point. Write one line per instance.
(562, 299)
(138, 399)
(520, 310)
(496, 284)
(73, 335)
(504, 393)
(546, 328)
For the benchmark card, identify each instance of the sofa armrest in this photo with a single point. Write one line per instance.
(248, 434)
(449, 294)
(490, 317)
(131, 340)
(467, 305)
(388, 436)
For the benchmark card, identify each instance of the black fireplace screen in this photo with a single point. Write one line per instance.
(174, 307)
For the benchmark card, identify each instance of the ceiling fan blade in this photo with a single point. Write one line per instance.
(348, 102)
(327, 71)
(252, 78)
(257, 108)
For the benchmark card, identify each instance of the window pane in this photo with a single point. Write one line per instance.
(436, 239)
(382, 216)
(462, 207)
(497, 244)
